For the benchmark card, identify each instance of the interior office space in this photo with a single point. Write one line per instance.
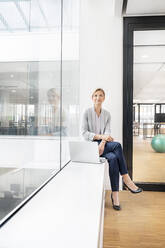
(53, 55)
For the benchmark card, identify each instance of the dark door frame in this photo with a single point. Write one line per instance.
(131, 24)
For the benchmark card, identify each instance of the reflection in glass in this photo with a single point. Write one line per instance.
(30, 65)
(26, 108)
(17, 184)
(39, 94)
(55, 123)
(29, 128)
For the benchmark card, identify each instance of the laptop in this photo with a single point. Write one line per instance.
(85, 152)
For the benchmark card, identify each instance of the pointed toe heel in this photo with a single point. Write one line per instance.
(138, 190)
(116, 207)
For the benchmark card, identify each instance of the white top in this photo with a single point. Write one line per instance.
(65, 213)
(89, 125)
(97, 124)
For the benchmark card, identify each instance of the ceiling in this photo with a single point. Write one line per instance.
(37, 15)
(145, 7)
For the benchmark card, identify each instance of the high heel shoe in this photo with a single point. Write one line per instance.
(116, 207)
(138, 190)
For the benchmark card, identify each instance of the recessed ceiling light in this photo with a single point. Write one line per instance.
(11, 75)
(145, 56)
(13, 91)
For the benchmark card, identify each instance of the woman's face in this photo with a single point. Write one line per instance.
(53, 98)
(98, 97)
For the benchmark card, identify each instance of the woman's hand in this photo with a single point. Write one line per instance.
(101, 147)
(103, 137)
(107, 137)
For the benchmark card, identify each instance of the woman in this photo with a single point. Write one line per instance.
(52, 121)
(96, 127)
(58, 121)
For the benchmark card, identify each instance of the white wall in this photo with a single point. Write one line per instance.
(101, 39)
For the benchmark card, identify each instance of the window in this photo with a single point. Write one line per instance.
(39, 94)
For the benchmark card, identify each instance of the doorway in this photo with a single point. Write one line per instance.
(144, 99)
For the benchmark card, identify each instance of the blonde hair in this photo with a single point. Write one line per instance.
(52, 91)
(99, 89)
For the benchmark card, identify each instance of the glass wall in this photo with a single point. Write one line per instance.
(70, 75)
(39, 94)
(26, 99)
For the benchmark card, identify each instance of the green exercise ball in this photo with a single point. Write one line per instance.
(158, 143)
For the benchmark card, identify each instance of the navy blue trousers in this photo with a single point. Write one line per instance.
(113, 152)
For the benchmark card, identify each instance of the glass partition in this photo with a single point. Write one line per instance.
(39, 95)
(70, 75)
(28, 104)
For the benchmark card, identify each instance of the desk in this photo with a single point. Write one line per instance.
(67, 213)
(154, 126)
(13, 130)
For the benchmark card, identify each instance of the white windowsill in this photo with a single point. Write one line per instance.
(65, 213)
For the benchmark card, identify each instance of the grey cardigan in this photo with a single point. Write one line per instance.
(88, 123)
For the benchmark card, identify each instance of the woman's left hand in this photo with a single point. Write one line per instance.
(110, 139)
(101, 147)
(107, 138)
